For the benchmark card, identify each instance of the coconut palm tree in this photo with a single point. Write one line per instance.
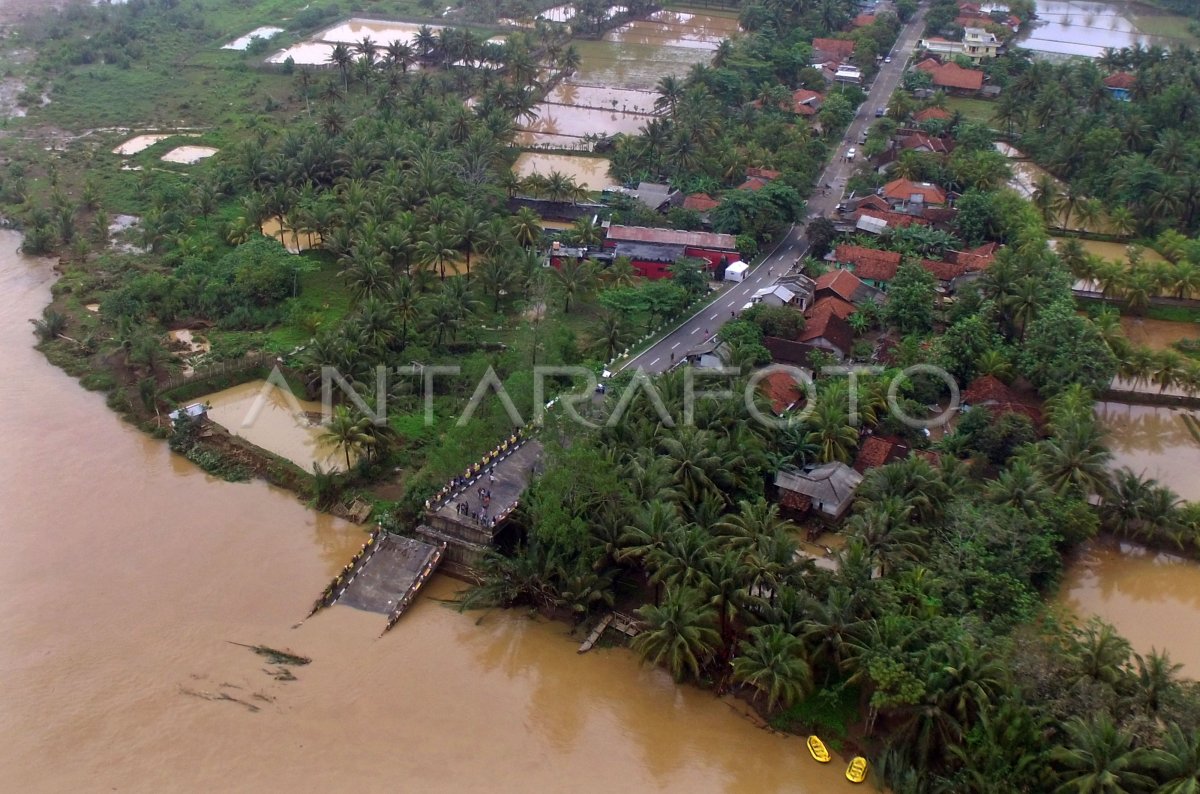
(1019, 487)
(1155, 676)
(670, 91)
(342, 57)
(753, 520)
(611, 336)
(1178, 762)
(437, 247)
(830, 430)
(772, 661)
(620, 273)
(1075, 460)
(695, 464)
(649, 533)
(679, 634)
(348, 432)
(574, 278)
(1100, 758)
(527, 227)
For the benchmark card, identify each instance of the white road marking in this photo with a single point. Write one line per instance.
(655, 361)
(677, 344)
(714, 316)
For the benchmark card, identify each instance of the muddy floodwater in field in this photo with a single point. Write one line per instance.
(316, 50)
(1155, 441)
(188, 155)
(1065, 28)
(612, 91)
(242, 42)
(267, 417)
(140, 143)
(566, 126)
(588, 172)
(1157, 334)
(1152, 598)
(293, 239)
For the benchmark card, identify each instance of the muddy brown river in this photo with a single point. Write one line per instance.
(126, 573)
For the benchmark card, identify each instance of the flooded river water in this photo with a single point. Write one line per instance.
(126, 573)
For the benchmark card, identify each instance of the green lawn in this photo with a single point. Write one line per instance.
(978, 110)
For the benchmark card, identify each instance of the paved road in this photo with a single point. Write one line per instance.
(705, 323)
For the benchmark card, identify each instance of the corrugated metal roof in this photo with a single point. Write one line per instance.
(643, 234)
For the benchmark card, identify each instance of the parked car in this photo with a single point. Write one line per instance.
(851, 152)
(863, 138)
(879, 112)
(887, 59)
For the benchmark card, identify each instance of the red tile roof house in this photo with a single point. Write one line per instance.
(825, 50)
(758, 178)
(989, 392)
(879, 451)
(844, 285)
(1120, 85)
(653, 251)
(700, 202)
(932, 114)
(873, 267)
(825, 329)
(782, 390)
(805, 102)
(953, 77)
(944, 272)
(862, 20)
(894, 220)
(920, 142)
(904, 194)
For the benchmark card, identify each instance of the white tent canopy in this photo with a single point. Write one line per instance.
(736, 271)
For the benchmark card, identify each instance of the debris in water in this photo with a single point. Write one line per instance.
(218, 696)
(274, 655)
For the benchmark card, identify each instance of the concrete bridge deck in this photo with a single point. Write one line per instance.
(511, 477)
(387, 581)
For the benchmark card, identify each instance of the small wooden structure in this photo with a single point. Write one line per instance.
(618, 621)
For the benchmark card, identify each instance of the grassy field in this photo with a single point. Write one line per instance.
(1166, 25)
(978, 110)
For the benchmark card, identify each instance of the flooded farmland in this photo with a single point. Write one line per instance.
(1155, 441)
(1147, 595)
(268, 417)
(590, 173)
(1065, 28)
(612, 91)
(316, 50)
(1157, 334)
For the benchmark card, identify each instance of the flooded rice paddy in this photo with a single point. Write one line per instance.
(293, 239)
(1154, 441)
(1066, 28)
(316, 50)
(612, 91)
(127, 573)
(276, 421)
(140, 143)
(1157, 334)
(1148, 596)
(588, 172)
(242, 42)
(189, 155)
